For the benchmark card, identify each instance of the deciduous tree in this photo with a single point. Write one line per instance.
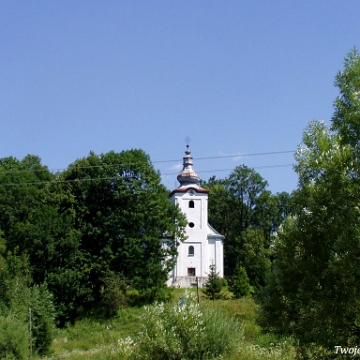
(246, 213)
(125, 219)
(313, 292)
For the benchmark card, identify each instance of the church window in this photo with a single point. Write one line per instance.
(191, 251)
(191, 272)
(191, 224)
(191, 204)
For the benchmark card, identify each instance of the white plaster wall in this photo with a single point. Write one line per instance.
(186, 261)
(219, 257)
(206, 251)
(216, 256)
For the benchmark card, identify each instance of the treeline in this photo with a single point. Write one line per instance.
(103, 233)
(95, 229)
(243, 210)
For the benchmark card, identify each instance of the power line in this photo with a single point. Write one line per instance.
(245, 155)
(152, 162)
(220, 170)
(112, 178)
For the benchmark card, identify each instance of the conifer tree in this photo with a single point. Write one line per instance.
(213, 284)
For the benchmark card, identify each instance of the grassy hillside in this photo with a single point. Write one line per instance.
(100, 339)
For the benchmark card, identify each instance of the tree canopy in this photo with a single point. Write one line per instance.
(313, 291)
(106, 215)
(247, 214)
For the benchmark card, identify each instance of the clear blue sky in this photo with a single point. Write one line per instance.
(237, 77)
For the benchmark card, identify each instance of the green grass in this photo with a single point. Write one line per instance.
(96, 339)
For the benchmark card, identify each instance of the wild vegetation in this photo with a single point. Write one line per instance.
(142, 332)
(247, 214)
(313, 291)
(101, 219)
(85, 253)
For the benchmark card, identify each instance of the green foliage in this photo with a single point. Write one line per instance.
(186, 332)
(42, 318)
(255, 258)
(213, 284)
(313, 292)
(346, 117)
(14, 286)
(106, 214)
(37, 218)
(17, 297)
(240, 285)
(247, 215)
(14, 338)
(123, 215)
(114, 293)
(97, 338)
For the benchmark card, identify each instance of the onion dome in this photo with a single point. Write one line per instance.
(188, 176)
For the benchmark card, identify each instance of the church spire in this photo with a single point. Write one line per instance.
(188, 176)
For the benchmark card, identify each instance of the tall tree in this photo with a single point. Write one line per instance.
(124, 217)
(244, 211)
(37, 218)
(314, 290)
(106, 216)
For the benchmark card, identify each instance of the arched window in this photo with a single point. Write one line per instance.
(191, 204)
(191, 251)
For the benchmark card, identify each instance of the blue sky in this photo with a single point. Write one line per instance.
(237, 77)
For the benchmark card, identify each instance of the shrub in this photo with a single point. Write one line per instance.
(113, 293)
(17, 297)
(240, 285)
(14, 338)
(186, 332)
(43, 315)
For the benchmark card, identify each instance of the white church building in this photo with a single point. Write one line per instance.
(204, 245)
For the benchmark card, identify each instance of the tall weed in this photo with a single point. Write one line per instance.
(180, 332)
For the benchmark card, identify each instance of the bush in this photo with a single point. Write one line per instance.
(113, 293)
(240, 285)
(184, 332)
(17, 297)
(42, 314)
(14, 338)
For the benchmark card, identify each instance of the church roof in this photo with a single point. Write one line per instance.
(187, 177)
(212, 233)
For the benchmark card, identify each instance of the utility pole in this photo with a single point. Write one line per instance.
(197, 290)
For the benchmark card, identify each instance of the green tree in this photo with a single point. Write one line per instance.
(313, 291)
(17, 297)
(245, 212)
(240, 285)
(104, 216)
(37, 217)
(125, 219)
(255, 257)
(213, 284)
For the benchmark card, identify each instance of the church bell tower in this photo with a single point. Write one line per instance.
(204, 245)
